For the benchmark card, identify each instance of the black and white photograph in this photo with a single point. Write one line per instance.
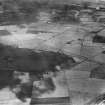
(52, 52)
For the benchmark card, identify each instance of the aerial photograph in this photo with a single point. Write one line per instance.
(52, 52)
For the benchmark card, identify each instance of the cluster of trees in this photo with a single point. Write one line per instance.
(18, 10)
(27, 11)
(30, 61)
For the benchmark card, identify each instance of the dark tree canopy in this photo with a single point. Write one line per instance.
(31, 61)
